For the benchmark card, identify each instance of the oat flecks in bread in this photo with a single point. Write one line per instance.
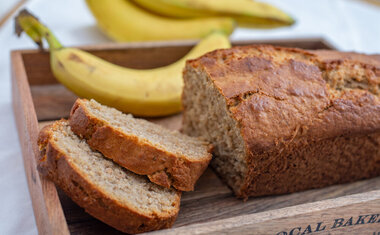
(167, 157)
(283, 120)
(122, 199)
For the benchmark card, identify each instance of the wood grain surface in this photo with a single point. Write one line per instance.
(211, 208)
(354, 214)
(46, 204)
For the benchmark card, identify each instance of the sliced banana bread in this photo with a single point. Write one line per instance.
(283, 120)
(114, 195)
(167, 157)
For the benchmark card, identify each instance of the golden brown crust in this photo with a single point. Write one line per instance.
(56, 166)
(285, 99)
(312, 164)
(162, 168)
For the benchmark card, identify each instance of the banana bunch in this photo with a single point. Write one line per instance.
(247, 13)
(152, 92)
(148, 20)
(124, 21)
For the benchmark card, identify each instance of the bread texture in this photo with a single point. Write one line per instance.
(167, 157)
(283, 119)
(119, 198)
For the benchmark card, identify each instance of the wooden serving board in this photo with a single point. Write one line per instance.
(212, 208)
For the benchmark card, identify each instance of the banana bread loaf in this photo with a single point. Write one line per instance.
(283, 120)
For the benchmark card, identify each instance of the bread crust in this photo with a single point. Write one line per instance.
(162, 167)
(314, 165)
(291, 102)
(55, 165)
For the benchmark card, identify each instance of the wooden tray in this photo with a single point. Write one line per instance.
(38, 99)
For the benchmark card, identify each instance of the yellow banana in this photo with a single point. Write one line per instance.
(248, 13)
(152, 92)
(122, 20)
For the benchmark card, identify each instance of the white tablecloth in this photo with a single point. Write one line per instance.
(347, 24)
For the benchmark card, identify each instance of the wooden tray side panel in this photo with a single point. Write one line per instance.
(46, 205)
(353, 214)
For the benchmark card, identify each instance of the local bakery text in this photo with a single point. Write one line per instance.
(335, 224)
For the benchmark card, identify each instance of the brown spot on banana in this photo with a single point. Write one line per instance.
(75, 57)
(60, 64)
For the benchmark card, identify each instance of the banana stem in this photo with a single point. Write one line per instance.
(28, 23)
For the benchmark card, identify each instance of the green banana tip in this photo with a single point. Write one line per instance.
(28, 23)
(22, 14)
(22, 26)
(292, 21)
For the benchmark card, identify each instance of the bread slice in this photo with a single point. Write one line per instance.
(168, 158)
(114, 195)
(285, 119)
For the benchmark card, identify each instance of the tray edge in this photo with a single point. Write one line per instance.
(47, 208)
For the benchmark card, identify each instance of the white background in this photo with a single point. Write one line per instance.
(347, 24)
